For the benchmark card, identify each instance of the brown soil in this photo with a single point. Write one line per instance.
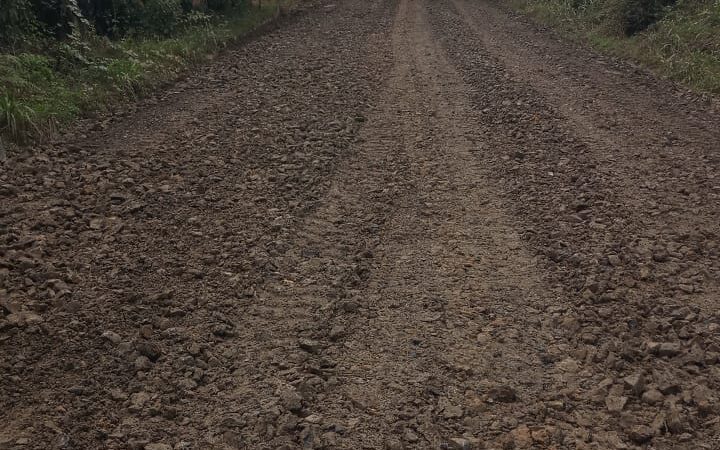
(388, 224)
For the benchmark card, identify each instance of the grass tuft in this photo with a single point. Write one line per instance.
(16, 120)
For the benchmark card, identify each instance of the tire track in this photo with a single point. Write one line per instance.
(426, 284)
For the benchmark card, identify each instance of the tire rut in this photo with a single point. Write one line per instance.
(614, 260)
(429, 314)
(142, 245)
(621, 117)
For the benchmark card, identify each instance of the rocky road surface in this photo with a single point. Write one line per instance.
(387, 224)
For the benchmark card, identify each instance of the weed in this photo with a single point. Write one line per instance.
(16, 119)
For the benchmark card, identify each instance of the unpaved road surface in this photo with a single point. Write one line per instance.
(388, 224)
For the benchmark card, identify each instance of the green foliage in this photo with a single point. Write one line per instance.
(622, 17)
(126, 75)
(626, 17)
(31, 81)
(161, 17)
(24, 71)
(112, 18)
(195, 19)
(59, 18)
(637, 15)
(16, 120)
(686, 43)
(55, 80)
(222, 5)
(17, 21)
(679, 38)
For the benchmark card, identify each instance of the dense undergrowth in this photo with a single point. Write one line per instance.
(80, 61)
(677, 38)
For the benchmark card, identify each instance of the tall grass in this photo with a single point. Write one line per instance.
(39, 91)
(680, 40)
(16, 120)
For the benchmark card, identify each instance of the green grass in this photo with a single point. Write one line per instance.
(683, 45)
(42, 90)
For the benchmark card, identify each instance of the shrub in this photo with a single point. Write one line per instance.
(161, 17)
(17, 21)
(59, 18)
(112, 18)
(222, 5)
(196, 19)
(638, 15)
(622, 17)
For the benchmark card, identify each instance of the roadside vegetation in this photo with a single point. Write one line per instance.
(677, 38)
(60, 59)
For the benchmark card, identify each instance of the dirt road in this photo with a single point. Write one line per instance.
(387, 224)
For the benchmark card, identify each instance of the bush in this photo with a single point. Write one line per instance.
(622, 17)
(161, 17)
(17, 21)
(222, 5)
(59, 18)
(62, 19)
(112, 18)
(195, 19)
(638, 15)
